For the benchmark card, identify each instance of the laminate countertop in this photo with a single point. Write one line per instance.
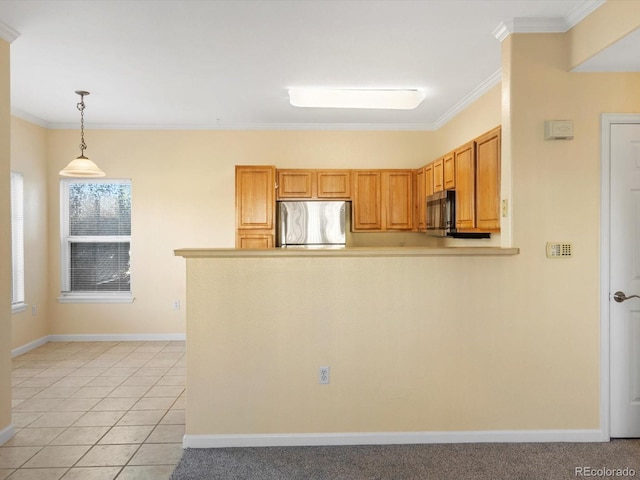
(347, 252)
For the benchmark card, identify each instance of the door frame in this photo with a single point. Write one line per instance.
(607, 119)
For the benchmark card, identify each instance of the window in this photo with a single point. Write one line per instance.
(96, 238)
(17, 242)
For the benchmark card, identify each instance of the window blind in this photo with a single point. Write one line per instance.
(17, 238)
(97, 244)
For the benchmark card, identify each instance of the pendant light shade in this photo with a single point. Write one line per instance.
(81, 167)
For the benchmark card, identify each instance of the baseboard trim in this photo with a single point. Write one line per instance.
(29, 346)
(391, 438)
(6, 434)
(107, 337)
(118, 337)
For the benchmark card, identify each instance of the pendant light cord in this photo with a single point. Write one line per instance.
(80, 106)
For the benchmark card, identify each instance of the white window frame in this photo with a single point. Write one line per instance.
(17, 243)
(66, 295)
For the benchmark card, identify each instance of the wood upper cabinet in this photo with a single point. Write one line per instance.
(255, 206)
(488, 150)
(397, 197)
(367, 200)
(478, 183)
(449, 171)
(428, 178)
(295, 184)
(438, 175)
(382, 200)
(333, 184)
(465, 160)
(420, 203)
(302, 184)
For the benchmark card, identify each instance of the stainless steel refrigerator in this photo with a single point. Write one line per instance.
(312, 224)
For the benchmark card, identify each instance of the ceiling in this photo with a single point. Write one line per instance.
(207, 64)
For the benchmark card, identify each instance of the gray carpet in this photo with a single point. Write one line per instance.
(483, 461)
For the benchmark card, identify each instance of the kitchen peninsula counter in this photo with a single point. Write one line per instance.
(346, 252)
(408, 333)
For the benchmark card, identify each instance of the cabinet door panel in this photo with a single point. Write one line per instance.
(295, 183)
(438, 176)
(398, 196)
(334, 184)
(255, 197)
(367, 213)
(465, 186)
(420, 202)
(488, 181)
(254, 240)
(428, 178)
(449, 171)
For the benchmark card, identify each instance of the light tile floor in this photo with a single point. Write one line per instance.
(96, 411)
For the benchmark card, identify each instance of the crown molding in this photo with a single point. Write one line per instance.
(7, 33)
(529, 25)
(474, 95)
(585, 8)
(250, 126)
(547, 25)
(16, 112)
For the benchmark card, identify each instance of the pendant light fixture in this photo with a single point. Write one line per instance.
(81, 166)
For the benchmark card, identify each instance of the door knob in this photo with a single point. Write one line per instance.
(621, 297)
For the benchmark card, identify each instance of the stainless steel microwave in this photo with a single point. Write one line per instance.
(441, 217)
(441, 213)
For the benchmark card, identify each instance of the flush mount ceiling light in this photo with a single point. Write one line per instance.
(81, 166)
(356, 98)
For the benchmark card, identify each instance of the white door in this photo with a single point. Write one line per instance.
(624, 313)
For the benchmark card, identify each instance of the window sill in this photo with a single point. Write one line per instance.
(18, 307)
(93, 298)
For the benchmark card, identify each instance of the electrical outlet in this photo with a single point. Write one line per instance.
(323, 375)
(176, 304)
(505, 207)
(34, 310)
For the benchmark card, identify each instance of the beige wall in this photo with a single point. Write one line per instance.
(478, 118)
(605, 26)
(29, 157)
(414, 344)
(183, 196)
(5, 240)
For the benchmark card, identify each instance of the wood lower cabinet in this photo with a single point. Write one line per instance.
(465, 159)
(254, 240)
(255, 206)
(367, 200)
(488, 151)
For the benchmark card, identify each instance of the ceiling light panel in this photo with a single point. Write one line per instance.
(400, 99)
